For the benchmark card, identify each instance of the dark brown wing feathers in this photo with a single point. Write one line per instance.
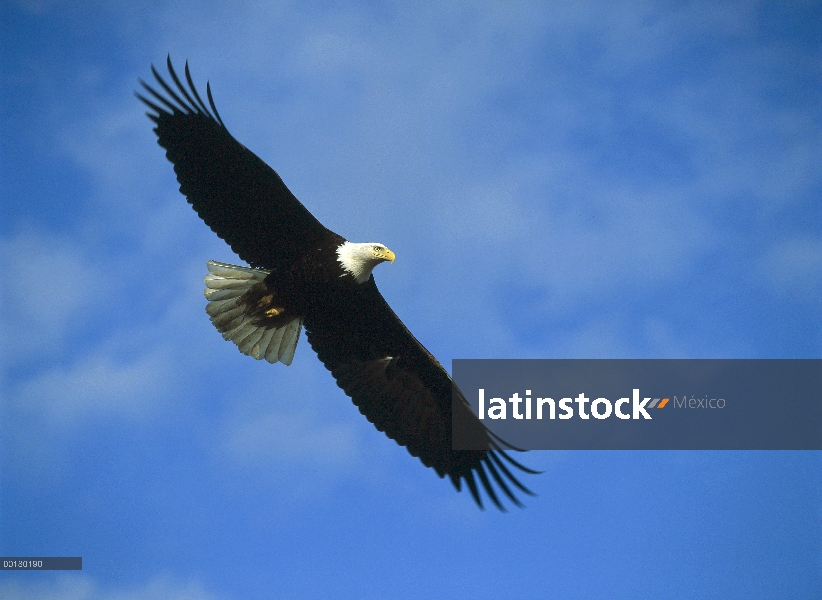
(239, 197)
(402, 389)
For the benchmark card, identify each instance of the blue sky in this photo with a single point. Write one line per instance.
(587, 179)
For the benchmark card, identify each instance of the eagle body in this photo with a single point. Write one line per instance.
(303, 275)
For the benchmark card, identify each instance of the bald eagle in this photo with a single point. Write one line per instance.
(304, 275)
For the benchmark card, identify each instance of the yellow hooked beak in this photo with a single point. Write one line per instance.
(385, 254)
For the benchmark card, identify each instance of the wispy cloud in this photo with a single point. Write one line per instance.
(99, 386)
(49, 288)
(793, 269)
(288, 439)
(83, 587)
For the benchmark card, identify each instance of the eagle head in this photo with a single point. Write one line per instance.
(358, 260)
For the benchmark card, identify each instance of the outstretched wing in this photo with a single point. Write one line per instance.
(402, 389)
(240, 198)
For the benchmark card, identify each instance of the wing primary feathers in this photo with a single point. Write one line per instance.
(508, 474)
(489, 489)
(516, 464)
(193, 89)
(495, 474)
(182, 105)
(171, 107)
(456, 481)
(151, 105)
(213, 106)
(192, 104)
(181, 87)
(472, 486)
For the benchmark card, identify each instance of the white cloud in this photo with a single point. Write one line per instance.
(48, 283)
(83, 587)
(289, 439)
(793, 269)
(282, 418)
(326, 53)
(615, 240)
(99, 386)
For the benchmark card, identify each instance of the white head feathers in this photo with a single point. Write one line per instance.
(360, 259)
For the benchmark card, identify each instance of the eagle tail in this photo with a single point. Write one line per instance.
(244, 310)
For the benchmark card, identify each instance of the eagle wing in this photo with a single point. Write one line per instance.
(239, 197)
(406, 393)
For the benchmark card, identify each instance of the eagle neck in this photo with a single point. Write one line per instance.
(354, 260)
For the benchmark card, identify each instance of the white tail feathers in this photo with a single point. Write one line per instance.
(225, 287)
